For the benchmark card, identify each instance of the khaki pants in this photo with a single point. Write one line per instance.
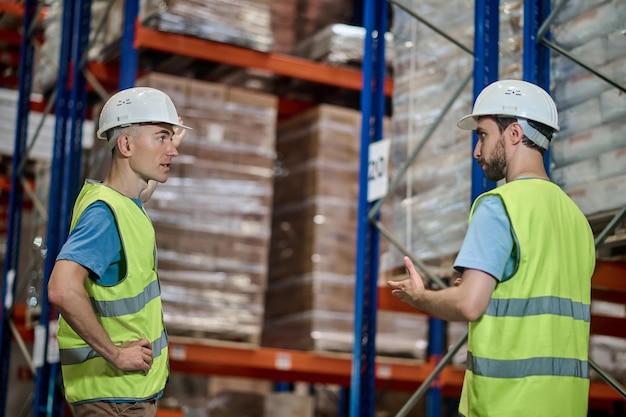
(105, 409)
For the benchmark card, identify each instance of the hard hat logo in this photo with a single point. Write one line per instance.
(515, 98)
(137, 105)
(514, 91)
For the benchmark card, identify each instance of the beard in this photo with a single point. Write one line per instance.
(495, 168)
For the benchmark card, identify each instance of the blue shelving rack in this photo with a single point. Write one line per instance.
(70, 107)
(362, 392)
(486, 51)
(16, 199)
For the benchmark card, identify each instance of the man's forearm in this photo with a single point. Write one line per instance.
(83, 321)
(446, 304)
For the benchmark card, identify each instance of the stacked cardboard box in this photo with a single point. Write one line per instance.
(340, 44)
(296, 20)
(213, 216)
(310, 298)
(245, 23)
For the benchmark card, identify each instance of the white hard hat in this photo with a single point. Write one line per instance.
(513, 98)
(137, 105)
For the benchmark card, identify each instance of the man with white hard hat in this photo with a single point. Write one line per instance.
(112, 339)
(526, 264)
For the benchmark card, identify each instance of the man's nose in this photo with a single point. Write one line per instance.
(173, 151)
(477, 150)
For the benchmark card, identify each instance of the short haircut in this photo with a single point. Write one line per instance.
(116, 132)
(504, 121)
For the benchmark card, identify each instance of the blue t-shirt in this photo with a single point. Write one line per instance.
(95, 244)
(489, 242)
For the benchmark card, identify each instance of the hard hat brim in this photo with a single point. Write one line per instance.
(468, 122)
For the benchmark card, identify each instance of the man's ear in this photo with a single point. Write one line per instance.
(123, 145)
(516, 133)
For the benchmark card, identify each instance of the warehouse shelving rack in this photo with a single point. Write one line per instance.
(363, 372)
(16, 199)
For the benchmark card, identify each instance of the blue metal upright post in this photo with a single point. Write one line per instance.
(64, 183)
(536, 56)
(129, 60)
(366, 297)
(486, 50)
(436, 348)
(16, 199)
(77, 107)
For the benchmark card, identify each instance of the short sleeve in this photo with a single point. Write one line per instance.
(94, 243)
(488, 243)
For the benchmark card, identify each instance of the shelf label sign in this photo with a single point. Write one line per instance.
(377, 172)
(54, 355)
(283, 361)
(178, 352)
(383, 371)
(39, 346)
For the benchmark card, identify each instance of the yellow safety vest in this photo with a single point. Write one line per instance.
(128, 311)
(528, 354)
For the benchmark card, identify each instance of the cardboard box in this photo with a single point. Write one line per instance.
(287, 404)
(213, 216)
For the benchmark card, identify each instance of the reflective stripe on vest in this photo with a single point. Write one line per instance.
(78, 355)
(516, 307)
(127, 305)
(521, 368)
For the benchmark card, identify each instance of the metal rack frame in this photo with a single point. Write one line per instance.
(70, 101)
(16, 198)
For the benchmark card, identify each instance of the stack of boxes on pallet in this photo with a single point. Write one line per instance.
(213, 216)
(313, 249)
(244, 22)
(340, 44)
(296, 20)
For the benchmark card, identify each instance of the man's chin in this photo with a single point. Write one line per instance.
(492, 177)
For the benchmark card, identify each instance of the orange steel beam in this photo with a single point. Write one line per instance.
(234, 359)
(389, 302)
(165, 412)
(604, 396)
(608, 284)
(600, 397)
(609, 275)
(11, 37)
(608, 295)
(12, 7)
(19, 319)
(15, 8)
(608, 325)
(276, 63)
